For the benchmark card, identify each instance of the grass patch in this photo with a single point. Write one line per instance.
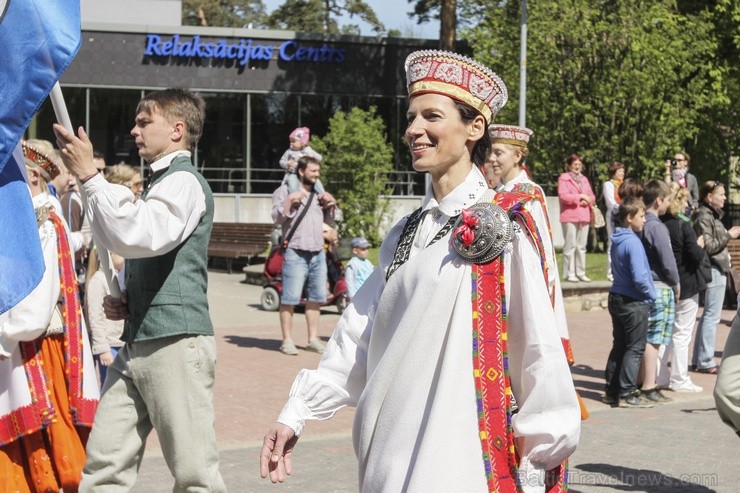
(595, 266)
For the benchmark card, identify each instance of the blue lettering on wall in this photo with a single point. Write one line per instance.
(245, 50)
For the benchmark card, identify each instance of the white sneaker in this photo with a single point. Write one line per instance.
(571, 279)
(688, 388)
(584, 278)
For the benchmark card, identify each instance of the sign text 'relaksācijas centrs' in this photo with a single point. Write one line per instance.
(243, 50)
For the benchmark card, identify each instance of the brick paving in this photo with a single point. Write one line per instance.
(680, 446)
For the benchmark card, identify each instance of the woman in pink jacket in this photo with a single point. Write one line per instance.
(576, 198)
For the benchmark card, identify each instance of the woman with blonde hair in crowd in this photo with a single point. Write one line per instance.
(673, 359)
(576, 199)
(126, 175)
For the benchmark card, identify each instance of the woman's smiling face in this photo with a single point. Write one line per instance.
(436, 135)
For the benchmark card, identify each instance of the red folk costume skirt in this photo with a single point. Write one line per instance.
(48, 454)
(51, 458)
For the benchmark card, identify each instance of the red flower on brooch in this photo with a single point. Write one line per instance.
(465, 230)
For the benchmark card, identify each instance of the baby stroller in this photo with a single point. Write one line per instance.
(337, 290)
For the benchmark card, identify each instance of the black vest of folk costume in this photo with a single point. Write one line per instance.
(167, 293)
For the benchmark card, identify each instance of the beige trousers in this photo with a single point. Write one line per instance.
(165, 384)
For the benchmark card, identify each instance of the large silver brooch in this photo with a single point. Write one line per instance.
(481, 232)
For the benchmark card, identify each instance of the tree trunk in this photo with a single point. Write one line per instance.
(448, 25)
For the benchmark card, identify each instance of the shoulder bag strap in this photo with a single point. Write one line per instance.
(287, 238)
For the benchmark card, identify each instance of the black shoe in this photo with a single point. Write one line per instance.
(656, 396)
(635, 401)
(612, 400)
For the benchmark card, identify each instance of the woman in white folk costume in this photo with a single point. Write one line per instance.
(449, 350)
(508, 152)
(49, 389)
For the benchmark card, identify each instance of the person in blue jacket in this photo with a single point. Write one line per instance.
(629, 308)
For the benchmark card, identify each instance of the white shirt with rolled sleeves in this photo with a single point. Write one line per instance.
(145, 228)
(402, 354)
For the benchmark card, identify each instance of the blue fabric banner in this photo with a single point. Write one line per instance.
(38, 40)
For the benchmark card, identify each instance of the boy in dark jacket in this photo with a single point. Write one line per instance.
(628, 306)
(657, 242)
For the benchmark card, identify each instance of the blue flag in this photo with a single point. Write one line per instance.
(38, 39)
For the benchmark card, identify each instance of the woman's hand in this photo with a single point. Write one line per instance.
(700, 241)
(277, 452)
(734, 232)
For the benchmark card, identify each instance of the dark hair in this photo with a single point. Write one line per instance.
(709, 187)
(654, 190)
(572, 159)
(98, 155)
(178, 104)
(483, 146)
(630, 187)
(630, 206)
(614, 166)
(304, 161)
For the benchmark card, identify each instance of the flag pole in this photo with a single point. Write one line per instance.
(62, 115)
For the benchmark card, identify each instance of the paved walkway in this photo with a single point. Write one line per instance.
(680, 446)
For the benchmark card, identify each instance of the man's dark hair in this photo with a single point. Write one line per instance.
(304, 161)
(654, 190)
(630, 206)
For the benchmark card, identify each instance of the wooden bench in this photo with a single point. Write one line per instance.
(238, 240)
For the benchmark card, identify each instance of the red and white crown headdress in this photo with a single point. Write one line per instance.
(456, 76)
(509, 134)
(48, 168)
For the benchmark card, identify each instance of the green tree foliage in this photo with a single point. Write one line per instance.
(320, 16)
(627, 80)
(357, 161)
(445, 11)
(224, 13)
(719, 127)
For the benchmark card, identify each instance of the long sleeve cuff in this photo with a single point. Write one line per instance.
(531, 477)
(311, 397)
(7, 345)
(294, 414)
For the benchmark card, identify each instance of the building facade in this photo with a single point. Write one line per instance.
(258, 85)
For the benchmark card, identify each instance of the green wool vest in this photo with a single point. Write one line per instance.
(167, 293)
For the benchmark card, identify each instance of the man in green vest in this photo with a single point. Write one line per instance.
(163, 377)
